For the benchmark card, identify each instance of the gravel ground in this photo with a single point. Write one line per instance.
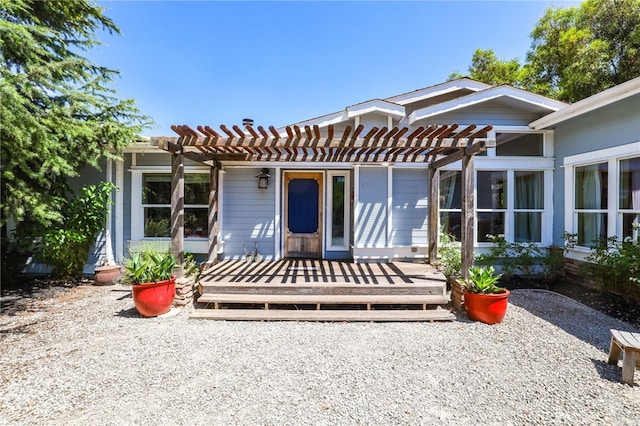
(84, 356)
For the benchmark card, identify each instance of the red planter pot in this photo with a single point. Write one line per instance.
(153, 299)
(487, 308)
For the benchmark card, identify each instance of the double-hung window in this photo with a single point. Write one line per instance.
(156, 205)
(604, 197)
(629, 197)
(508, 202)
(591, 203)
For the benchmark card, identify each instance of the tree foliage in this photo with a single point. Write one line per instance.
(58, 112)
(575, 52)
(486, 67)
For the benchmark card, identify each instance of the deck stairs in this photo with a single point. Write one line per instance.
(322, 291)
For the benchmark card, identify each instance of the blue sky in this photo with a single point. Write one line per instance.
(214, 62)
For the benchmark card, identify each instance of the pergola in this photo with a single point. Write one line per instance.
(437, 145)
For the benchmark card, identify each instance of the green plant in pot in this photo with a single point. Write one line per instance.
(483, 299)
(150, 272)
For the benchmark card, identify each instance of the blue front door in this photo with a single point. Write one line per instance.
(303, 215)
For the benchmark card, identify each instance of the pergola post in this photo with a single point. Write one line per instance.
(434, 196)
(468, 213)
(177, 211)
(214, 176)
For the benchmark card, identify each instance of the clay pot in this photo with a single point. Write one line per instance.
(107, 275)
(153, 299)
(487, 308)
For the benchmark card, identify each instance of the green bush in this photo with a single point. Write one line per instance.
(65, 245)
(449, 259)
(615, 265)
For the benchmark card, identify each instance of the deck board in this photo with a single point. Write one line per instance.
(236, 290)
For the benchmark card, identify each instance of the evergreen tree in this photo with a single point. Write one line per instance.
(58, 112)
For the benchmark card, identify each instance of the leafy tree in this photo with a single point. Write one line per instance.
(57, 113)
(575, 52)
(486, 67)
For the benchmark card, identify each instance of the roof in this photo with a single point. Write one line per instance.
(501, 92)
(592, 103)
(395, 105)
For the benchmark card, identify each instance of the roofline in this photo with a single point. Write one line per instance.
(483, 96)
(438, 89)
(592, 103)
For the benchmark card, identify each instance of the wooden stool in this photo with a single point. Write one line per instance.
(629, 343)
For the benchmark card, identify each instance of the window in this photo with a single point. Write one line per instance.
(508, 202)
(528, 206)
(629, 197)
(156, 205)
(591, 203)
(519, 144)
(491, 203)
(338, 210)
(451, 203)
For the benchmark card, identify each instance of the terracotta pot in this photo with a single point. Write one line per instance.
(487, 308)
(153, 299)
(107, 275)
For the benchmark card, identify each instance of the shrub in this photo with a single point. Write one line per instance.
(615, 264)
(65, 246)
(449, 256)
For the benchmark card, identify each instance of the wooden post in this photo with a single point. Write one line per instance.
(213, 215)
(468, 213)
(434, 196)
(177, 211)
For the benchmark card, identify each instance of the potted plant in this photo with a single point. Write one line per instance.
(483, 299)
(153, 285)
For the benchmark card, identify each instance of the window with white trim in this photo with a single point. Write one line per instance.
(591, 203)
(629, 197)
(156, 204)
(338, 210)
(603, 193)
(508, 202)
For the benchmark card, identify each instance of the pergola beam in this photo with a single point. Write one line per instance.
(177, 211)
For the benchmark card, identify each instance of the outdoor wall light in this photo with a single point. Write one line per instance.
(263, 179)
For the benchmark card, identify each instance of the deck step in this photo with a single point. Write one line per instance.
(324, 299)
(323, 315)
(435, 289)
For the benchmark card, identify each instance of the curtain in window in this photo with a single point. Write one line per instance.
(589, 188)
(630, 195)
(449, 186)
(635, 189)
(448, 189)
(529, 195)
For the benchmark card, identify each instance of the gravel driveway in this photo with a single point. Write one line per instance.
(85, 357)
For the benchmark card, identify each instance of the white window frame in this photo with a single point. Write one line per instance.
(329, 210)
(512, 165)
(611, 156)
(547, 142)
(191, 244)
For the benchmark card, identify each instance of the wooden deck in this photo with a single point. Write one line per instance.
(322, 290)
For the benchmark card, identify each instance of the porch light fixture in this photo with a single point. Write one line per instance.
(263, 179)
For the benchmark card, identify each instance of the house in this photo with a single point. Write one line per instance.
(596, 184)
(379, 179)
